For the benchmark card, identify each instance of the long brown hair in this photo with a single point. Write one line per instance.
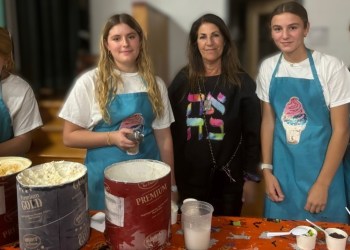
(108, 79)
(230, 65)
(6, 50)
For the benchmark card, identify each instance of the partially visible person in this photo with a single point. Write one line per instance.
(305, 127)
(19, 112)
(217, 121)
(107, 103)
(346, 162)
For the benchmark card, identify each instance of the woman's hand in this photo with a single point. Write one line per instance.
(249, 192)
(317, 198)
(78, 137)
(272, 186)
(119, 139)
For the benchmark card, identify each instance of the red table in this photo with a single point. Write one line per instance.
(232, 233)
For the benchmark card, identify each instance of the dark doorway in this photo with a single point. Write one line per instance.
(266, 44)
(52, 35)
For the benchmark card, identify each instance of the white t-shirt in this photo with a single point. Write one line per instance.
(23, 107)
(82, 109)
(332, 73)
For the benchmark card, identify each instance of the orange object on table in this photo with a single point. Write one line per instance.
(232, 233)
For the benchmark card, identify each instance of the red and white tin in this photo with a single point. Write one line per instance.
(9, 168)
(138, 200)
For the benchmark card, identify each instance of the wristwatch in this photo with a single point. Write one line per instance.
(266, 165)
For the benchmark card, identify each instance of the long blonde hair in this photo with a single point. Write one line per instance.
(108, 79)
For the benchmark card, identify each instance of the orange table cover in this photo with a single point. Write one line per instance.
(231, 233)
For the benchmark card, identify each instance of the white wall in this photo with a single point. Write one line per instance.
(329, 23)
(181, 12)
(329, 27)
(100, 11)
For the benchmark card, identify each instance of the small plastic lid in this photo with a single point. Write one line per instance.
(189, 199)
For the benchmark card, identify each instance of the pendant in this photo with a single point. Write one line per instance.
(207, 105)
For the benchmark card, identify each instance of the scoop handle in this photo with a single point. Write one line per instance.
(272, 234)
(320, 228)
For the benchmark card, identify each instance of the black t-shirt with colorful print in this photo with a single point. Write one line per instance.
(234, 116)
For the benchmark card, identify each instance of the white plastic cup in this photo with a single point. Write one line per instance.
(335, 243)
(196, 219)
(305, 241)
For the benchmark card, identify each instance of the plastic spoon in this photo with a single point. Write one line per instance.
(325, 232)
(347, 210)
(295, 231)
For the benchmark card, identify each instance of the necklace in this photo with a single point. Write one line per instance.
(225, 167)
(207, 104)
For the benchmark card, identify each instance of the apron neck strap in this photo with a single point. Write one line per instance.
(311, 60)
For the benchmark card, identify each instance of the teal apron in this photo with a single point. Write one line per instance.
(97, 159)
(296, 166)
(347, 174)
(6, 131)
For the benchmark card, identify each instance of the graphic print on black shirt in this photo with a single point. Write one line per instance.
(196, 111)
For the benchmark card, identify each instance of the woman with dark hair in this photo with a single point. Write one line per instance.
(19, 112)
(305, 130)
(108, 104)
(217, 121)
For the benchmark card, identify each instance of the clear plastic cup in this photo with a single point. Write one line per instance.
(183, 202)
(196, 220)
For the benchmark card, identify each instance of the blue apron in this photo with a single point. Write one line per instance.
(97, 159)
(6, 131)
(296, 166)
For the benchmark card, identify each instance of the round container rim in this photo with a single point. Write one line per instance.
(52, 185)
(200, 204)
(133, 161)
(27, 162)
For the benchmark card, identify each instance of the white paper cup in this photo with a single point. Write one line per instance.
(305, 241)
(197, 217)
(336, 243)
(174, 210)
